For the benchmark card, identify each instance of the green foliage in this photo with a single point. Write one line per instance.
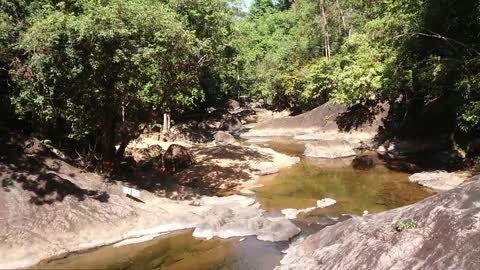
(104, 59)
(88, 70)
(408, 224)
(421, 50)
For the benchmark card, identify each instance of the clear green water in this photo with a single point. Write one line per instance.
(298, 187)
(375, 190)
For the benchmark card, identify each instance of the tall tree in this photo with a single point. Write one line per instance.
(102, 70)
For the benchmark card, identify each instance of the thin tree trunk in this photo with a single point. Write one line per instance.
(108, 142)
(326, 35)
(166, 122)
(342, 18)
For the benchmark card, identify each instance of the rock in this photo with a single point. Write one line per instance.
(325, 202)
(291, 213)
(266, 229)
(329, 149)
(473, 148)
(246, 192)
(150, 157)
(155, 150)
(415, 146)
(265, 168)
(49, 207)
(230, 123)
(363, 162)
(176, 158)
(224, 138)
(327, 120)
(58, 153)
(439, 180)
(33, 146)
(445, 235)
(382, 149)
(232, 105)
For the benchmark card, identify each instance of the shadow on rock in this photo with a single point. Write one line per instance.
(358, 116)
(35, 169)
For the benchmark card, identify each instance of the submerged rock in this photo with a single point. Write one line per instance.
(439, 180)
(329, 149)
(364, 162)
(441, 232)
(291, 213)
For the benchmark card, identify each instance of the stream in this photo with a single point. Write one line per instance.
(299, 187)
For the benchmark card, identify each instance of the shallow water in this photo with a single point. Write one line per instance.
(177, 251)
(355, 191)
(298, 187)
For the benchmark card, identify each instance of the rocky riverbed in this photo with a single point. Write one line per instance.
(51, 208)
(441, 232)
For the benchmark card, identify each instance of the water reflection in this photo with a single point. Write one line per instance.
(298, 187)
(374, 190)
(178, 251)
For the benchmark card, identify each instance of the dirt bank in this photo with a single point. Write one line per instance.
(218, 169)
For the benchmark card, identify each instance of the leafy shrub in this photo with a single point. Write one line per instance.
(407, 224)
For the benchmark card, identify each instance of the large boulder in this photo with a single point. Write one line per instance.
(230, 123)
(365, 161)
(329, 149)
(176, 158)
(356, 123)
(225, 138)
(405, 147)
(232, 105)
(441, 232)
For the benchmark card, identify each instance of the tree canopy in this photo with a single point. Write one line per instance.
(95, 72)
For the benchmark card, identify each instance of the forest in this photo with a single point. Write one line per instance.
(90, 75)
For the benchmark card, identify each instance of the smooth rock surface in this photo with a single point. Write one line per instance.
(291, 213)
(446, 236)
(49, 207)
(327, 121)
(325, 202)
(224, 138)
(439, 180)
(329, 149)
(265, 168)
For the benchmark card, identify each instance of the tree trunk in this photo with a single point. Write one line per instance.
(108, 138)
(342, 18)
(166, 122)
(326, 35)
